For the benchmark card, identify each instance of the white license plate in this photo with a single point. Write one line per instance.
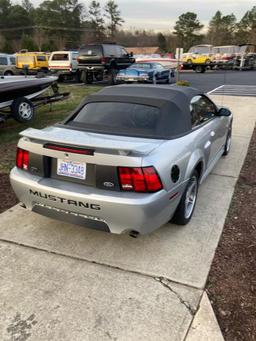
(72, 169)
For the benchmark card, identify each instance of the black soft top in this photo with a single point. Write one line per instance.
(173, 102)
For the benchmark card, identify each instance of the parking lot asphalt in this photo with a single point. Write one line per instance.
(65, 282)
(212, 79)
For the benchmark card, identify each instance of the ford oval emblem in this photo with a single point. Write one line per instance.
(108, 184)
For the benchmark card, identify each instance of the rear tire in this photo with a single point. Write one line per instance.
(112, 77)
(22, 110)
(8, 73)
(199, 69)
(88, 78)
(185, 209)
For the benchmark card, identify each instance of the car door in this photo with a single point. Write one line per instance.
(204, 117)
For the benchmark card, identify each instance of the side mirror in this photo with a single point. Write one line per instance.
(224, 112)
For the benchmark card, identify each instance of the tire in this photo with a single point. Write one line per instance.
(22, 110)
(8, 73)
(112, 77)
(199, 69)
(60, 78)
(228, 141)
(88, 78)
(185, 209)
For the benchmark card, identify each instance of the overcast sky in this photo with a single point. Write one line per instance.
(162, 14)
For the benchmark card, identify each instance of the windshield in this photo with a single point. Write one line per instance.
(119, 119)
(199, 49)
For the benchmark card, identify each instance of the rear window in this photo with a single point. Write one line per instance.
(60, 56)
(119, 119)
(91, 50)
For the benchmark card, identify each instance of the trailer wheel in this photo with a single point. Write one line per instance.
(199, 69)
(22, 110)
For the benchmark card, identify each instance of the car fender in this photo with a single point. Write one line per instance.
(195, 158)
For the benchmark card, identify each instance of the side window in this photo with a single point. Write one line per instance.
(3, 61)
(13, 60)
(41, 58)
(201, 109)
(119, 51)
(109, 50)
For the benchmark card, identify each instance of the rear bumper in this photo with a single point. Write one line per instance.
(91, 68)
(62, 71)
(115, 212)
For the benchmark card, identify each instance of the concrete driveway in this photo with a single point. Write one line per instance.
(65, 282)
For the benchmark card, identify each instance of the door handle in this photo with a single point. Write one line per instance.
(212, 133)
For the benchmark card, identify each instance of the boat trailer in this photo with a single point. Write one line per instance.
(7, 113)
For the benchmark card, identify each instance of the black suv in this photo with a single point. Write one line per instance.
(97, 60)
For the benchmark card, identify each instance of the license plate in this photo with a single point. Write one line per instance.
(71, 169)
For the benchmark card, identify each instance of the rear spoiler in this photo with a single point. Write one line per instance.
(100, 143)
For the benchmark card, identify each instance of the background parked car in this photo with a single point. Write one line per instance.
(223, 54)
(198, 54)
(145, 72)
(97, 60)
(7, 64)
(65, 64)
(32, 61)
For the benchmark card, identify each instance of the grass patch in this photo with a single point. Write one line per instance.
(45, 116)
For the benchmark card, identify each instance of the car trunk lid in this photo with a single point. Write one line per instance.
(100, 154)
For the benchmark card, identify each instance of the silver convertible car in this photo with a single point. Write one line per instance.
(129, 159)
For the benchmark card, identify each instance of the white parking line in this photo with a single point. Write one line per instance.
(219, 87)
(235, 90)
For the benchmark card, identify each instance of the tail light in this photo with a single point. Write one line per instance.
(22, 159)
(104, 60)
(139, 179)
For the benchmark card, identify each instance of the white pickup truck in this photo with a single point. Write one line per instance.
(64, 64)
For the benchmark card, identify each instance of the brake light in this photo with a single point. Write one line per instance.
(69, 149)
(139, 179)
(22, 159)
(104, 60)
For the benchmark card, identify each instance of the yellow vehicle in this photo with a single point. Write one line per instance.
(198, 54)
(32, 61)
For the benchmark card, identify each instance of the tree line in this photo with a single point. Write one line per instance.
(59, 24)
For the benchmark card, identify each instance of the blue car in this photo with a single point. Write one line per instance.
(146, 73)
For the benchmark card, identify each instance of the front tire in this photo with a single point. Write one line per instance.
(22, 110)
(185, 209)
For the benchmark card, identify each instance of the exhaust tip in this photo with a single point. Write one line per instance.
(134, 234)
